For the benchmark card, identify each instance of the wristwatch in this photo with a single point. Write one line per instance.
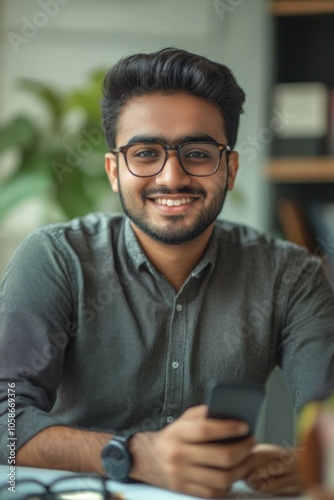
(116, 458)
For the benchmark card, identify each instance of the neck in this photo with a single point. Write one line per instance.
(174, 262)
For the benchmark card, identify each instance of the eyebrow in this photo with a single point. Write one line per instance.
(149, 139)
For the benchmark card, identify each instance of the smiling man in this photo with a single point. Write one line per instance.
(112, 325)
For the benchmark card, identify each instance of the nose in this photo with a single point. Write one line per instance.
(172, 175)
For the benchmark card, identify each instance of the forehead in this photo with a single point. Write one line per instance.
(169, 116)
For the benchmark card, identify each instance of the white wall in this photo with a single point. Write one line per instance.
(62, 41)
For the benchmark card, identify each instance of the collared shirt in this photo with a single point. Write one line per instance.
(94, 337)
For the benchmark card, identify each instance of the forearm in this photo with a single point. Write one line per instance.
(64, 448)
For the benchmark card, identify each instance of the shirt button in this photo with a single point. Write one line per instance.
(179, 308)
(169, 419)
(175, 364)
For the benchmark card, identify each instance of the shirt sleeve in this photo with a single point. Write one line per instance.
(36, 307)
(307, 339)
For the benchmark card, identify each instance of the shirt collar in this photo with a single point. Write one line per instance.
(138, 257)
(210, 256)
(134, 250)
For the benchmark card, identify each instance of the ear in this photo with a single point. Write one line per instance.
(110, 166)
(233, 165)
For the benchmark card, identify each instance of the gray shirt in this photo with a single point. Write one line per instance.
(93, 337)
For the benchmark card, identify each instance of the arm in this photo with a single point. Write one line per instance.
(64, 448)
(35, 307)
(307, 348)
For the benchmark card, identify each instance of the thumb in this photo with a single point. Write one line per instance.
(195, 412)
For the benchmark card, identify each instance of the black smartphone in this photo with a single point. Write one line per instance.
(235, 402)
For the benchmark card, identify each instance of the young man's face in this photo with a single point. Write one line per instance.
(149, 202)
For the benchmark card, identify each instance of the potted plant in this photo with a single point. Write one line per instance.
(59, 158)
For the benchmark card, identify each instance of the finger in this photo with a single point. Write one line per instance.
(205, 429)
(269, 461)
(221, 456)
(195, 412)
(209, 477)
(287, 484)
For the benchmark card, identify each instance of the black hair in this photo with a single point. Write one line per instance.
(168, 71)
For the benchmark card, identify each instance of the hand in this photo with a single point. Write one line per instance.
(273, 470)
(184, 457)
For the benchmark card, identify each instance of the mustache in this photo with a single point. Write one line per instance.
(183, 190)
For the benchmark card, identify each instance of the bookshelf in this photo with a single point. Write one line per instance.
(301, 7)
(300, 170)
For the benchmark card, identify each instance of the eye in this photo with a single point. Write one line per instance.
(146, 153)
(197, 154)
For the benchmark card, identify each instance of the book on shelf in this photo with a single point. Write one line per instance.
(303, 125)
(310, 225)
(294, 223)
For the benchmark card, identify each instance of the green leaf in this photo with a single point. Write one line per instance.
(88, 97)
(19, 133)
(22, 187)
(35, 160)
(71, 194)
(56, 161)
(52, 99)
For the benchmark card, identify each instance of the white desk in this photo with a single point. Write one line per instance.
(131, 491)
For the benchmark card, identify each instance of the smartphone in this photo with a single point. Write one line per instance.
(235, 402)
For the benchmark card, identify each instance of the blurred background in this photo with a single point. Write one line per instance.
(53, 55)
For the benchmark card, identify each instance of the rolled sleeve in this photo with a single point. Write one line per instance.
(36, 306)
(308, 334)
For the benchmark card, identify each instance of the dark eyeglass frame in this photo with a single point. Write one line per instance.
(167, 147)
(50, 494)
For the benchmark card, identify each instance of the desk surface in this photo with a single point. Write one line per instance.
(135, 491)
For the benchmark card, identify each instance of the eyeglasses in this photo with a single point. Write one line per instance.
(74, 487)
(199, 159)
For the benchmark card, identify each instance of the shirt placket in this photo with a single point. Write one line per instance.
(175, 361)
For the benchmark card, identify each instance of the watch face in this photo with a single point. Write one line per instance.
(116, 456)
(116, 460)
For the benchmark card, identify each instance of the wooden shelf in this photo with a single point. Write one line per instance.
(301, 170)
(299, 7)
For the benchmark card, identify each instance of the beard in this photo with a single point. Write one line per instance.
(175, 232)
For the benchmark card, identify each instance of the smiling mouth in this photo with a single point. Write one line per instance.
(173, 203)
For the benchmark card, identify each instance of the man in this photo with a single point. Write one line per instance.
(111, 326)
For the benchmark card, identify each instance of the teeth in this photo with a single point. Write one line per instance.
(173, 203)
